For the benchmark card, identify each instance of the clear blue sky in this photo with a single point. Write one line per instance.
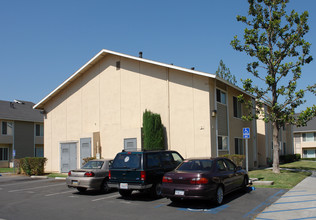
(42, 43)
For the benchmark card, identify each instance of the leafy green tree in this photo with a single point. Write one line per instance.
(224, 73)
(153, 135)
(274, 38)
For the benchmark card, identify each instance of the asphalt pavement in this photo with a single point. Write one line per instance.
(297, 203)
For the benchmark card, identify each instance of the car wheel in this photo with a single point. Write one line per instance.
(104, 186)
(156, 190)
(125, 192)
(245, 183)
(219, 197)
(81, 189)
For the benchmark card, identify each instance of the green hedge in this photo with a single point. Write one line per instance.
(238, 159)
(289, 158)
(32, 165)
(153, 135)
(312, 159)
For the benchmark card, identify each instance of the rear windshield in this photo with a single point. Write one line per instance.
(93, 165)
(126, 161)
(188, 165)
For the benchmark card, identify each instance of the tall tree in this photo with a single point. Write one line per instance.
(153, 135)
(274, 38)
(224, 72)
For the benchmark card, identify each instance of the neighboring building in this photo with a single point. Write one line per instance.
(21, 130)
(305, 139)
(98, 110)
(265, 140)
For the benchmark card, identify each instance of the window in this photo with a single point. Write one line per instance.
(4, 154)
(153, 160)
(220, 96)
(309, 137)
(239, 147)
(7, 128)
(220, 165)
(230, 165)
(39, 130)
(39, 152)
(222, 143)
(237, 108)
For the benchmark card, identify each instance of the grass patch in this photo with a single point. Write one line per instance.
(285, 180)
(302, 165)
(53, 175)
(7, 170)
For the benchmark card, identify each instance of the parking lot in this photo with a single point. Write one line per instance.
(26, 198)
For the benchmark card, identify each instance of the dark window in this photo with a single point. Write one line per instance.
(39, 130)
(127, 161)
(4, 127)
(153, 161)
(118, 65)
(239, 148)
(237, 108)
(230, 165)
(4, 153)
(203, 165)
(220, 96)
(220, 165)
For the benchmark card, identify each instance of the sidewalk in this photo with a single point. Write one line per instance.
(298, 203)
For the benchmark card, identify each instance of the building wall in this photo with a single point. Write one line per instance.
(112, 101)
(24, 139)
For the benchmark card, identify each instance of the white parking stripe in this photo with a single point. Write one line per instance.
(29, 181)
(60, 193)
(104, 198)
(39, 187)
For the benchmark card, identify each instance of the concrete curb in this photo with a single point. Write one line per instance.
(39, 177)
(60, 178)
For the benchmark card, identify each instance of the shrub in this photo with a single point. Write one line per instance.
(311, 159)
(153, 136)
(32, 165)
(238, 159)
(87, 159)
(289, 158)
(297, 157)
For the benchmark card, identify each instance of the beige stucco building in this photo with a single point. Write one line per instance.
(98, 110)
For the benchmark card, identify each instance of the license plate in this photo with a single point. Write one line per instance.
(75, 183)
(123, 185)
(179, 192)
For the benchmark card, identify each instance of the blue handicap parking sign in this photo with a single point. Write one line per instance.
(246, 132)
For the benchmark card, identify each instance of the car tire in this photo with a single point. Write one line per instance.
(156, 190)
(245, 182)
(104, 188)
(125, 192)
(81, 189)
(219, 196)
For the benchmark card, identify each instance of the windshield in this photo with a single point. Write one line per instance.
(202, 165)
(93, 165)
(126, 161)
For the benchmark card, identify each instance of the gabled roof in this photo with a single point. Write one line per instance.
(18, 110)
(102, 54)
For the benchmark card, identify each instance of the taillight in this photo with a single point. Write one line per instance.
(69, 173)
(199, 181)
(109, 174)
(89, 174)
(166, 179)
(142, 175)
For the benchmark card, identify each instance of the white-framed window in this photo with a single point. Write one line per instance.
(220, 96)
(4, 154)
(222, 143)
(7, 128)
(309, 137)
(239, 146)
(237, 108)
(39, 130)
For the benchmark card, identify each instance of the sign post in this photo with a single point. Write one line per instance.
(246, 135)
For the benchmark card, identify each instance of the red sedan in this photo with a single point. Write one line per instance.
(202, 178)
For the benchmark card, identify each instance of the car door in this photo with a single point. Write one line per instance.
(235, 176)
(224, 175)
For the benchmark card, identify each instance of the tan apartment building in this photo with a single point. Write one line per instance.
(21, 131)
(305, 139)
(265, 140)
(98, 111)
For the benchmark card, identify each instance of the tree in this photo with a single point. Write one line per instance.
(274, 38)
(153, 135)
(224, 73)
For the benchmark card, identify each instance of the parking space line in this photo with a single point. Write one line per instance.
(288, 210)
(53, 194)
(39, 187)
(299, 195)
(266, 203)
(313, 217)
(104, 198)
(211, 211)
(277, 203)
(29, 181)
